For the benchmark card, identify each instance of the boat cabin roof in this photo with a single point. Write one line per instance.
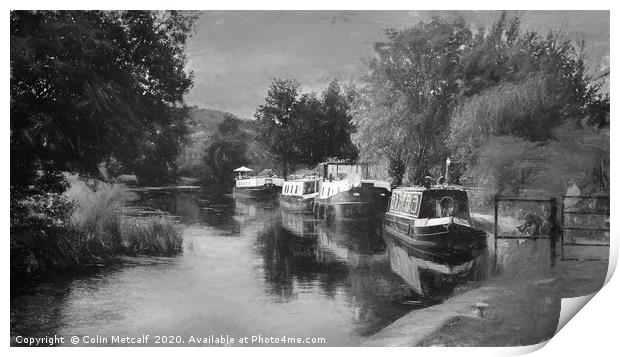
(303, 180)
(433, 188)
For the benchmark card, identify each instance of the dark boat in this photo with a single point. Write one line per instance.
(298, 195)
(435, 218)
(346, 192)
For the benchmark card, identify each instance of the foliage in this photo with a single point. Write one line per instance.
(402, 110)
(227, 150)
(90, 85)
(40, 237)
(303, 129)
(96, 218)
(529, 109)
(439, 83)
(82, 226)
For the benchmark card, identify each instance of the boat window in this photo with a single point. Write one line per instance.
(296, 187)
(395, 198)
(445, 207)
(414, 203)
(405, 204)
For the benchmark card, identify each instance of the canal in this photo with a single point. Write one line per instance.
(248, 269)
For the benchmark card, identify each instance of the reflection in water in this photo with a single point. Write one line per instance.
(247, 268)
(435, 274)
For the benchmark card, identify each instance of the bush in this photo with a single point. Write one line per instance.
(80, 227)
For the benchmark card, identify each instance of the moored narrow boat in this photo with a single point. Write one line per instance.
(435, 218)
(298, 195)
(346, 192)
(257, 187)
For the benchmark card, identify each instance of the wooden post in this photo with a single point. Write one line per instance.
(561, 228)
(496, 202)
(554, 229)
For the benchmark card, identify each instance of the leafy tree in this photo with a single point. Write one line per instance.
(90, 85)
(304, 129)
(338, 123)
(276, 120)
(228, 150)
(402, 112)
(439, 83)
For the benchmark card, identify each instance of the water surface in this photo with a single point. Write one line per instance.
(247, 269)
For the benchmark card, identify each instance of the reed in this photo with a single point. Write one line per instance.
(96, 219)
(150, 236)
(100, 229)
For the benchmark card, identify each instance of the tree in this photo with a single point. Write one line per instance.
(303, 129)
(437, 84)
(403, 109)
(90, 85)
(228, 150)
(275, 119)
(338, 123)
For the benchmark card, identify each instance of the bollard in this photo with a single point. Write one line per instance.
(481, 306)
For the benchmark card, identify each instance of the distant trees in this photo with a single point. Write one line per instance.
(438, 89)
(303, 128)
(227, 150)
(87, 86)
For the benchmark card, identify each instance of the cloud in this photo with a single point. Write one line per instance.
(235, 54)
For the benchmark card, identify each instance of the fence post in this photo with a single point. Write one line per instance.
(495, 219)
(561, 228)
(553, 234)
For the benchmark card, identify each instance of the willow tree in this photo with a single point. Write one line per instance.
(430, 89)
(402, 110)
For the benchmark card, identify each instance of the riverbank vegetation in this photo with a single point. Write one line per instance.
(83, 227)
(516, 108)
(89, 90)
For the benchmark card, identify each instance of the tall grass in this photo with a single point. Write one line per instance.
(101, 231)
(150, 235)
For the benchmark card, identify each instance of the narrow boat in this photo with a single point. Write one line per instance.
(257, 187)
(435, 218)
(346, 192)
(298, 195)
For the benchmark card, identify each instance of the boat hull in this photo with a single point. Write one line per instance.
(353, 204)
(266, 192)
(297, 204)
(449, 236)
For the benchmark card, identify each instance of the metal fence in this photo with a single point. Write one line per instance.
(547, 227)
(592, 230)
(594, 212)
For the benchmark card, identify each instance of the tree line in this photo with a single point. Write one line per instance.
(306, 128)
(440, 89)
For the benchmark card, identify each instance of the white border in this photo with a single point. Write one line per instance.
(591, 332)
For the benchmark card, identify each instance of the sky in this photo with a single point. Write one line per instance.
(234, 55)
